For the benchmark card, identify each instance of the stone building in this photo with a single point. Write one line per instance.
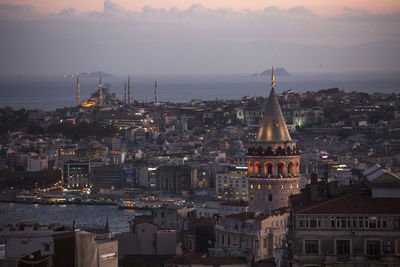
(248, 234)
(358, 225)
(146, 238)
(273, 161)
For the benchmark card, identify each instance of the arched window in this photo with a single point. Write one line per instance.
(290, 169)
(268, 167)
(281, 168)
(297, 168)
(257, 168)
(250, 167)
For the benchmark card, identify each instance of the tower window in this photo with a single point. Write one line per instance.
(281, 168)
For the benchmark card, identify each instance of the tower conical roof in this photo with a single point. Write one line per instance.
(273, 126)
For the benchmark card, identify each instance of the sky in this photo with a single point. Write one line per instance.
(198, 36)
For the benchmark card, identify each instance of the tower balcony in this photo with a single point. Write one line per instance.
(270, 176)
(269, 152)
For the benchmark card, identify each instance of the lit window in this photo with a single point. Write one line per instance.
(270, 186)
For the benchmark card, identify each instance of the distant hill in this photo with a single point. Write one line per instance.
(277, 72)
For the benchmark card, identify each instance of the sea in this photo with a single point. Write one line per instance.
(85, 216)
(58, 91)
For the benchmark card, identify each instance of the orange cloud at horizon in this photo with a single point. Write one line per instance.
(323, 8)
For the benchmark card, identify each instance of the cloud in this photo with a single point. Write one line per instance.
(10, 11)
(359, 15)
(181, 40)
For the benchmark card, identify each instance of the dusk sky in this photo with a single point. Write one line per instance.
(192, 36)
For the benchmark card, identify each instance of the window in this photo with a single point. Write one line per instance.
(257, 244)
(313, 223)
(265, 243)
(372, 222)
(373, 247)
(311, 246)
(343, 247)
(269, 197)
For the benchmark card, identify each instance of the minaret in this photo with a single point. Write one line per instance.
(78, 91)
(100, 92)
(107, 229)
(125, 101)
(155, 93)
(273, 161)
(129, 89)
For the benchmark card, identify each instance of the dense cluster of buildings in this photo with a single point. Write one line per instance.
(251, 194)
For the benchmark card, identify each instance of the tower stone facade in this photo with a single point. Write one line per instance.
(273, 161)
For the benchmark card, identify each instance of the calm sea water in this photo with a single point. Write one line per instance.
(54, 92)
(86, 216)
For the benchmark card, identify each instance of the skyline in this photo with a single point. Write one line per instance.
(197, 38)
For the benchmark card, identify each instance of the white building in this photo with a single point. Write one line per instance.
(214, 208)
(232, 185)
(37, 164)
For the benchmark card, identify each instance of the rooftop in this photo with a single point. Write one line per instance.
(247, 216)
(354, 199)
(200, 258)
(273, 126)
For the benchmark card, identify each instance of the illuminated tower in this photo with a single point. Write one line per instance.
(155, 93)
(78, 91)
(125, 101)
(129, 89)
(100, 92)
(273, 160)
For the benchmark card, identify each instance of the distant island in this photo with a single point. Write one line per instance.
(277, 72)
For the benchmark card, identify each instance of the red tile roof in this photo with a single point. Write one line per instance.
(201, 258)
(247, 216)
(355, 199)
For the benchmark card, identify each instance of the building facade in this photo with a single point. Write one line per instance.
(232, 184)
(350, 227)
(176, 179)
(248, 234)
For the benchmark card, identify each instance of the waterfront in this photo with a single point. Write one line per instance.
(50, 93)
(86, 216)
